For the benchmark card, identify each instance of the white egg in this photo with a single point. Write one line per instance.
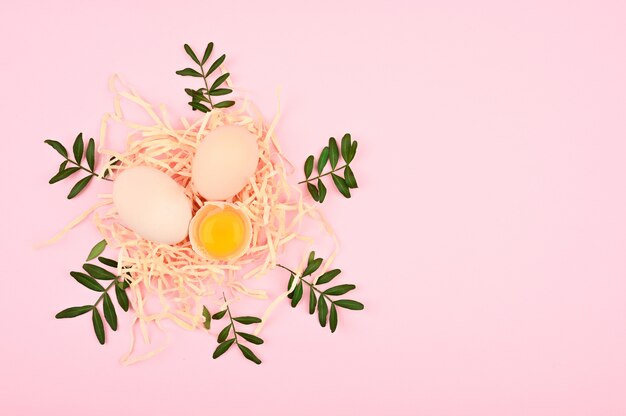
(224, 162)
(152, 204)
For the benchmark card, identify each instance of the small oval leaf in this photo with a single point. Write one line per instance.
(321, 191)
(219, 80)
(313, 191)
(297, 295)
(216, 64)
(322, 160)
(328, 276)
(57, 146)
(312, 267)
(247, 320)
(78, 148)
(322, 310)
(346, 143)
(109, 311)
(224, 333)
(87, 281)
(98, 325)
(90, 155)
(97, 250)
(339, 290)
(98, 272)
(207, 53)
(108, 262)
(207, 317)
(122, 298)
(224, 104)
(312, 301)
(219, 315)
(332, 320)
(333, 152)
(63, 174)
(80, 185)
(220, 91)
(349, 177)
(250, 338)
(247, 352)
(308, 166)
(189, 72)
(341, 185)
(73, 312)
(191, 54)
(223, 347)
(349, 304)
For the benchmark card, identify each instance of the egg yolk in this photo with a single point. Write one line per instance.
(222, 234)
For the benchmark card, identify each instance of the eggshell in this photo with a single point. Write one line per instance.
(224, 161)
(152, 204)
(209, 209)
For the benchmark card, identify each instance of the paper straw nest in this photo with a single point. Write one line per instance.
(174, 275)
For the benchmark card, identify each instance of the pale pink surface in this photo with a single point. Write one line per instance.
(487, 239)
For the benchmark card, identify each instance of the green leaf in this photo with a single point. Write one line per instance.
(122, 298)
(321, 162)
(346, 143)
(247, 352)
(108, 262)
(109, 311)
(321, 190)
(199, 107)
(57, 146)
(312, 301)
(207, 317)
(78, 148)
(87, 281)
(224, 104)
(341, 185)
(223, 347)
(63, 165)
(196, 95)
(291, 278)
(247, 320)
(322, 310)
(349, 178)
(188, 72)
(80, 185)
(333, 318)
(297, 295)
(312, 267)
(219, 80)
(333, 153)
(250, 338)
(90, 155)
(98, 272)
(349, 304)
(352, 151)
(98, 326)
(311, 257)
(339, 290)
(220, 91)
(308, 166)
(328, 276)
(224, 333)
(207, 53)
(216, 64)
(191, 54)
(97, 250)
(313, 191)
(63, 174)
(219, 315)
(73, 312)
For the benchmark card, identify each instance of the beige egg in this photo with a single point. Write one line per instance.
(220, 231)
(152, 204)
(224, 162)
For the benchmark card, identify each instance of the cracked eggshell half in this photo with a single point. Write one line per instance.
(224, 162)
(152, 204)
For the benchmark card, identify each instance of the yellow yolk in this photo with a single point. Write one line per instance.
(222, 233)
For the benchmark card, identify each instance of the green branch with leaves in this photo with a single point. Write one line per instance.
(78, 150)
(223, 337)
(202, 98)
(90, 280)
(320, 299)
(331, 153)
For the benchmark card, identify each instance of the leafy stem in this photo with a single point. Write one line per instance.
(92, 173)
(331, 154)
(320, 299)
(202, 99)
(224, 342)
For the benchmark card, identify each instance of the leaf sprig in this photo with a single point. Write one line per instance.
(78, 150)
(90, 280)
(223, 337)
(320, 299)
(202, 99)
(332, 153)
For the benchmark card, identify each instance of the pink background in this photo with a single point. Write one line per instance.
(487, 239)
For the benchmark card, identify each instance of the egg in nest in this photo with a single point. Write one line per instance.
(220, 231)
